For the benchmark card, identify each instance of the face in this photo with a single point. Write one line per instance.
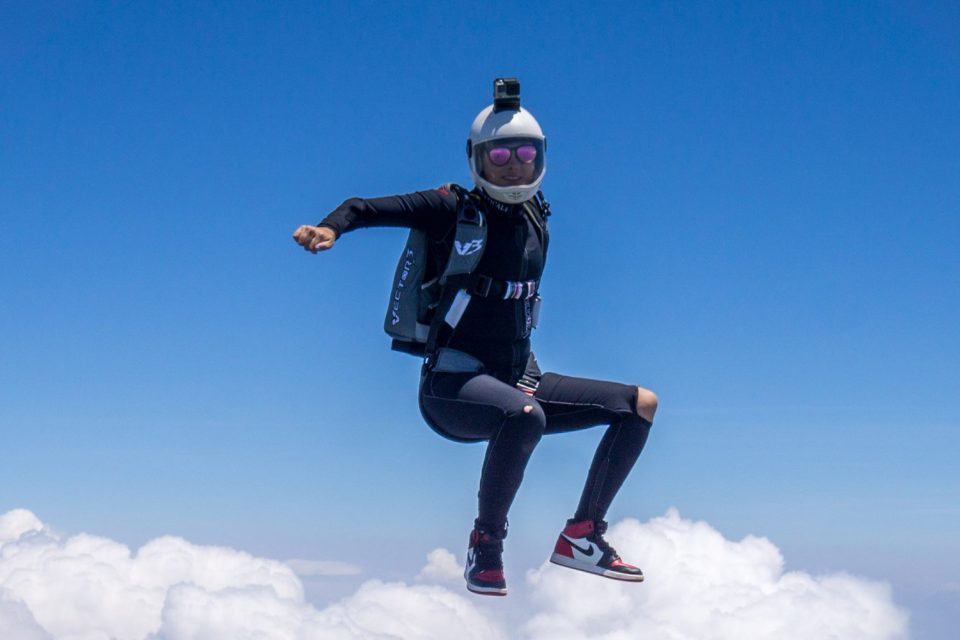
(514, 171)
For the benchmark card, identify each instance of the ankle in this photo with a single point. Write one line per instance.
(496, 533)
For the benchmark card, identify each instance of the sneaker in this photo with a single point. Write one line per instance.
(484, 570)
(581, 546)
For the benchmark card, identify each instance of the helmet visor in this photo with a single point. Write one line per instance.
(510, 162)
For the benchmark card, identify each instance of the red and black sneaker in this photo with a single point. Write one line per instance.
(484, 570)
(581, 546)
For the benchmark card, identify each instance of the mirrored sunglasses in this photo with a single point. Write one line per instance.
(500, 156)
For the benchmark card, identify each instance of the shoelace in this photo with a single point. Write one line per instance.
(489, 551)
(600, 528)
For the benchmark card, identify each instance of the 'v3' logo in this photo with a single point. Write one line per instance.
(466, 249)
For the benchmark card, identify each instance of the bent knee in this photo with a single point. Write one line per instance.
(530, 416)
(527, 425)
(646, 404)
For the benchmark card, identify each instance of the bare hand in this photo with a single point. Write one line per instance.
(314, 239)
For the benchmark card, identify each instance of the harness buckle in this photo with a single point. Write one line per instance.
(482, 285)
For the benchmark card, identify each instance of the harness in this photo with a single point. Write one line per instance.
(423, 311)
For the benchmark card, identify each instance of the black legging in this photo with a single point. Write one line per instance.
(471, 407)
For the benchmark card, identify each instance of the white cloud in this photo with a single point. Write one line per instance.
(16, 523)
(315, 568)
(396, 610)
(699, 586)
(377, 611)
(86, 587)
(442, 566)
(16, 621)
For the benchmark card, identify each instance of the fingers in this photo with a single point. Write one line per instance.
(321, 239)
(322, 244)
(314, 239)
(305, 237)
(302, 234)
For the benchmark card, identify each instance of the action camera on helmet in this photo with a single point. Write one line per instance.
(502, 131)
(506, 94)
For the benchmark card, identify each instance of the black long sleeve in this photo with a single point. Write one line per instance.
(432, 211)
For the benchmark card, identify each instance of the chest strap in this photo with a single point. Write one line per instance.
(487, 287)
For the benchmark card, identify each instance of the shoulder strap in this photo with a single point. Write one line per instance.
(538, 210)
(470, 239)
(469, 242)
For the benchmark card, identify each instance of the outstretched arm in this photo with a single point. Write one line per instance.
(433, 211)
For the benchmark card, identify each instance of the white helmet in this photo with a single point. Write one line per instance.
(505, 132)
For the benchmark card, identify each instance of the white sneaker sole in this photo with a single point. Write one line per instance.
(570, 563)
(484, 591)
(487, 591)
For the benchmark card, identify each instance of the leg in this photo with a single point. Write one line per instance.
(577, 403)
(472, 407)
(476, 407)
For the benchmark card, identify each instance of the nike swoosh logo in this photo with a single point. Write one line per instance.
(587, 552)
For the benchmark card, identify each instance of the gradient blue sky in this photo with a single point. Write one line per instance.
(755, 215)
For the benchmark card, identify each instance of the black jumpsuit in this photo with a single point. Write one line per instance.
(488, 405)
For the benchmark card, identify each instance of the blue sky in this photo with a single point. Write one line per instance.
(755, 215)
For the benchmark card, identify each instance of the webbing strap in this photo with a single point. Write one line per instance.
(468, 245)
(487, 287)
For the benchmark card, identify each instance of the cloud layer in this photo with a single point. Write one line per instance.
(699, 586)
